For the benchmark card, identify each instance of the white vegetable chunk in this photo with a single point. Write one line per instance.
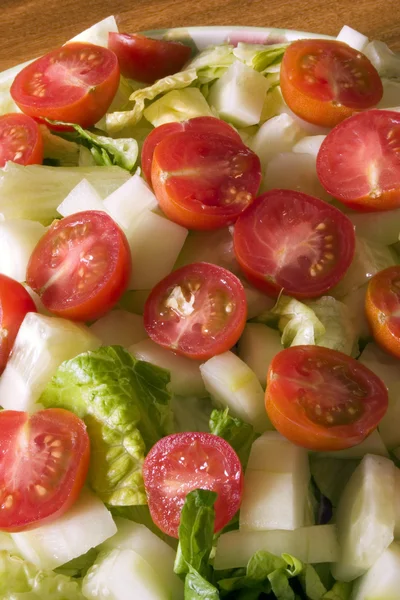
(231, 383)
(18, 238)
(41, 345)
(373, 444)
(309, 145)
(239, 95)
(382, 580)
(352, 38)
(365, 517)
(119, 327)
(86, 525)
(276, 135)
(257, 347)
(97, 33)
(129, 202)
(83, 197)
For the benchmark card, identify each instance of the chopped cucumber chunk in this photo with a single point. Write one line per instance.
(120, 328)
(355, 302)
(352, 38)
(382, 580)
(129, 202)
(373, 444)
(276, 135)
(97, 33)
(380, 227)
(258, 346)
(309, 145)
(18, 238)
(83, 197)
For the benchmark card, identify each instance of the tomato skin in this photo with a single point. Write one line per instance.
(175, 466)
(270, 244)
(196, 125)
(216, 307)
(326, 81)
(359, 164)
(204, 181)
(311, 387)
(75, 83)
(15, 303)
(30, 493)
(78, 287)
(146, 59)
(20, 140)
(382, 309)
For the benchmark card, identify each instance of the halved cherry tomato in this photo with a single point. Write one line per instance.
(322, 399)
(44, 463)
(289, 241)
(15, 303)
(204, 181)
(20, 140)
(183, 462)
(382, 306)
(359, 161)
(75, 83)
(145, 59)
(196, 125)
(198, 311)
(326, 81)
(81, 266)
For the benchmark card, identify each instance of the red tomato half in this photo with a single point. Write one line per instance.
(204, 181)
(198, 311)
(20, 140)
(75, 83)
(383, 309)
(181, 463)
(196, 125)
(322, 399)
(289, 241)
(44, 462)
(81, 266)
(326, 81)
(15, 303)
(144, 59)
(359, 161)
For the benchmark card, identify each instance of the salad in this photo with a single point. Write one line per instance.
(200, 339)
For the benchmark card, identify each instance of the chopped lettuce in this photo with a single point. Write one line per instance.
(178, 105)
(20, 580)
(125, 404)
(212, 62)
(297, 322)
(61, 152)
(237, 433)
(118, 120)
(263, 58)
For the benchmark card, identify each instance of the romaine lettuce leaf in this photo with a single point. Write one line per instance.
(237, 433)
(63, 152)
(20, 580)
(125, 405)
(178, 105)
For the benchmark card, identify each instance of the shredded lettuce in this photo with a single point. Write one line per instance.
(125, 405)
(237, 433)
(178, 105)
(212, 62)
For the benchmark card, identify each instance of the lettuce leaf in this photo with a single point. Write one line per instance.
(20, 580)
(331, 475)
(263, 58)
(237, 433)
(125, 405)
(178, 105)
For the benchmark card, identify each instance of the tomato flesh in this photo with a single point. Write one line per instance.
(322, 399)
(204, 181)
(20, 140)
(289, 241)
(383, 309)
(196, 125)
(183, 462)
(326, 81)
(359, 161)
(75, 83)
(145, 59)
(198, 311)
(15, 303)
(45, 459)
(81, 266)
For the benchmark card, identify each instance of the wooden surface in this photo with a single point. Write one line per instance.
(29, 28)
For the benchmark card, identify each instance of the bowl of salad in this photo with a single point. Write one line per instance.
(200, 300)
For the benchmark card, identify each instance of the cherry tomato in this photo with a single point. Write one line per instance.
(15, 303)
(44, 462)
(382, 306)
(359, 161)
(144, 59)
(75, 83)
(326, 81)
(196, 125)
(293, 242)
(20, 140)
(322, 399)
(204, 181)
(198, 311)
(81, 266)
(183, 462)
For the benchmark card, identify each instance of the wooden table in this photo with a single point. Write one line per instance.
(29, 28)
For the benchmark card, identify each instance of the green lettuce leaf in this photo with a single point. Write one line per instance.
(63, 152)
(125, 405)
(340, 591)
(340, 333)
(178, 105)
(20, 580)
(263, 58)
(198, 588)
(331, 475)
(212, 62)
(106, 151)
(312, 584)
(297, 323)
(116, 121)
(237, 433)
